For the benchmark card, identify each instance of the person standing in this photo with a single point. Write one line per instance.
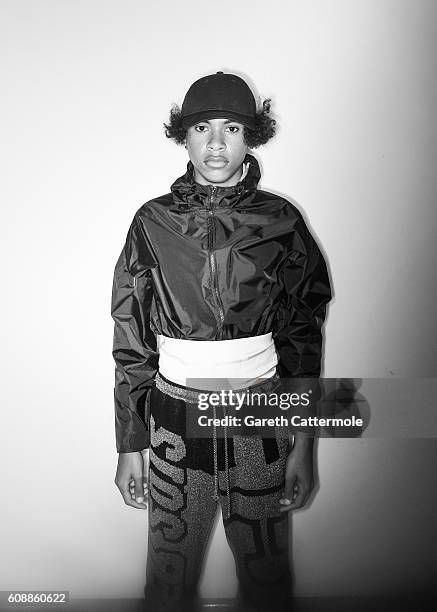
(217, 279)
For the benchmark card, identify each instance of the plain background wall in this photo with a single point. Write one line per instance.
(86, 85)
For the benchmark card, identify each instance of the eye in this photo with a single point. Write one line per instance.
(234, 128)
(200, 127)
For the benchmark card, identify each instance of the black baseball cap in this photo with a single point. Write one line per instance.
(216, 96)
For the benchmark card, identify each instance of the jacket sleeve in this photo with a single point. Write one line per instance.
(134, 346)
(301, 313)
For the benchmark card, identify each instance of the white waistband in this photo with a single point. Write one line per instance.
(217, 364)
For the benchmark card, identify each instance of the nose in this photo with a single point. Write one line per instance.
(216, 141)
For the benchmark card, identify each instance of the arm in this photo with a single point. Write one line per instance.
(136, 361)
(298, 340)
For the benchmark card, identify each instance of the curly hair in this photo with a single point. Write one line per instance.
(262, 132)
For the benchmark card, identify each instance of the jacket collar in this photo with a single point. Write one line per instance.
(187, 192)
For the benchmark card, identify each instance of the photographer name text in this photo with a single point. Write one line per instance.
(279, 421)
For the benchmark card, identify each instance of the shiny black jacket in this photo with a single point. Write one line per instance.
(213, 263)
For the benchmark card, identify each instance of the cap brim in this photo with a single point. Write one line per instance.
(246, 120)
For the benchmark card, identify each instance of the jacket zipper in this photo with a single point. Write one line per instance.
(213, 262)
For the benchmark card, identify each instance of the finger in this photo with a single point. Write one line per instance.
(139, 490)
(145, 464)
(128, 500)
(145, 492)
(299, 499)
(298, 502)
(132, 488)
(146, 474)
(288, 496)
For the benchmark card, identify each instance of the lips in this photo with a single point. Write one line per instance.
(216, 161)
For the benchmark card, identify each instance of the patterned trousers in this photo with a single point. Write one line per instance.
(188, 477)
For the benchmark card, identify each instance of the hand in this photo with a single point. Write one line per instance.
(131, 478)
(299, 479)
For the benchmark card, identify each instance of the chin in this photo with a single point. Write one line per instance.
(217, 176)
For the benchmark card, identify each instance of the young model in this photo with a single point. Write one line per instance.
(218, 280)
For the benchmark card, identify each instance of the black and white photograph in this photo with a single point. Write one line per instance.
(220, 344)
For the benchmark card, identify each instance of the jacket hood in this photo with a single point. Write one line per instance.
(186, 191)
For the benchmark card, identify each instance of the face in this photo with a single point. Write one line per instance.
(217, 150)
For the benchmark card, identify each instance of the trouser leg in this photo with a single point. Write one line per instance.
(181, 513)
(182, 509)
(256, 531)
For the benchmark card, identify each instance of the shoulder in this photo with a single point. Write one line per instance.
(138, 248)
(279, 201)
(283, 211)
(295, 227)
(150, 207)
